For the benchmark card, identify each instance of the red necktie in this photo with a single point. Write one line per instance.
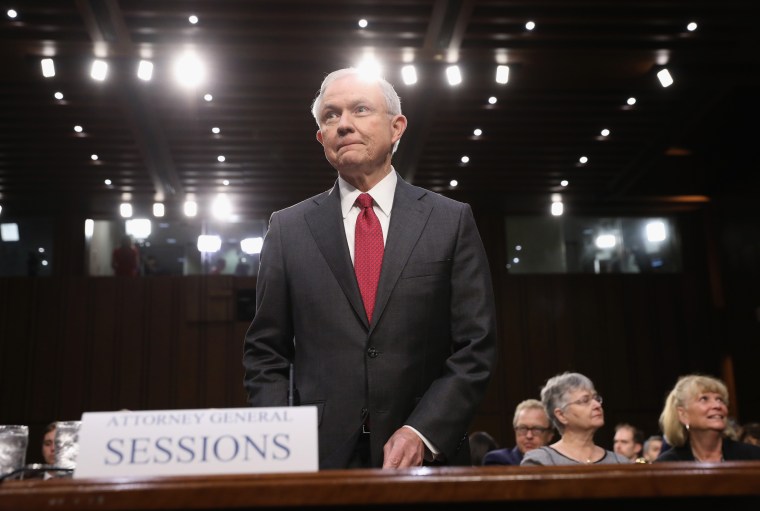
(368, 252)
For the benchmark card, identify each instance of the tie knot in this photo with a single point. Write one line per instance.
(364, 200)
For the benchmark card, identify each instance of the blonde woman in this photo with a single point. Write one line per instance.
(694, 422)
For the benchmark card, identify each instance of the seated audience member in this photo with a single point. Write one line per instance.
(652, 448)
(480, 443)
(628, 442)
(48, 444)
(694, 420)
(532, 430)
(576, 411)
(733, 429)
(751, 433)
(125, 259)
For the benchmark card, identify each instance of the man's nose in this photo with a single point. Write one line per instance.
(344, 124)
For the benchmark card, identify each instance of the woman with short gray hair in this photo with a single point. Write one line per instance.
(575, 409)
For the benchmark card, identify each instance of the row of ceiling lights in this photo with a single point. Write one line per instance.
(189, 71)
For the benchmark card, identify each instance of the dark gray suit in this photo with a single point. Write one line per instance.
(425, 360)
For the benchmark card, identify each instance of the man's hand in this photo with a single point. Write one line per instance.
(403, 449)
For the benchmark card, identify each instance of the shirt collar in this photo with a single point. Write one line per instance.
(382, 193)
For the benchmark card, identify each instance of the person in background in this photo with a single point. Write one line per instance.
(628, 442)
(694, 421)
(751, 433)
(393, 339)
(480, 443)
(125, 259)
(48, 444)
(652, 448)
(532, 429)
(576, 411)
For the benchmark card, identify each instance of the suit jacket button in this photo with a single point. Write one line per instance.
(372, 352)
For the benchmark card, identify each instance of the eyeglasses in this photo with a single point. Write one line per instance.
(536, 430)
(585, 400)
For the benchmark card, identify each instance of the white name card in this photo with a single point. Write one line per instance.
(193, 442)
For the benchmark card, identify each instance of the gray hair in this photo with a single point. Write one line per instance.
(528, 404)
(392, 100)
(554, 393)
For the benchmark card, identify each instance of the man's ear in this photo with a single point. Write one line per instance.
(399, 126)
(319, 137)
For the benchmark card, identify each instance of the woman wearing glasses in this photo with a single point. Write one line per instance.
(575, 409)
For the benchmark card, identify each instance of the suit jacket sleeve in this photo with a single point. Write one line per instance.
(447, 408)
(268, 346)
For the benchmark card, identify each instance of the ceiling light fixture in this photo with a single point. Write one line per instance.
(666, 80)
(48, 68)
(12, 13)
(145, 70)
(189, 71)
(454, 75)
(502, 74)
(125, 210)
(58, 96)
(363, 23)
(99, 70)
(409, 74)
(193, 19)
(190, 208)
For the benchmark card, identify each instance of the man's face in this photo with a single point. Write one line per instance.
(48, 447)
(624, 443)
(355, 129)
(532, 429)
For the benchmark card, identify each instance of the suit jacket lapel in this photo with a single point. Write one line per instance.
(326, 225)
(408, 218)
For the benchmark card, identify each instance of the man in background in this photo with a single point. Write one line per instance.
(628, 442)
(532, 430)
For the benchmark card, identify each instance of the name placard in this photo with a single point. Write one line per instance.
(203, 441)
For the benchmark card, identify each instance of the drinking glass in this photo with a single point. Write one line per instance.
(66, 443)
(13, 442)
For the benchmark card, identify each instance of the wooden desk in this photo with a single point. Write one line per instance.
(519, 488)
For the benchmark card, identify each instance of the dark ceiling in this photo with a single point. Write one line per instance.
(570, 77)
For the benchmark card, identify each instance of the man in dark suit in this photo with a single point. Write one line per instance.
(396, 373)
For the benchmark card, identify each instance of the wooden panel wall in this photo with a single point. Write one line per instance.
(75, 344)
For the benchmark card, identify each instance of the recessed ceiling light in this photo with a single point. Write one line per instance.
(58, 95)
(453, 183)
(454, 75)
(107, 182)
(530, 25)
(363, 23)
(48, 68)
(631, 101)
(93, 157)
(12, 13)
(99, 70)
(564, 183)
(691, 27)
(208, 97)
(465, 159)
(226, 182)
(215, 130)
(220, 158)
(145, 70)
(78, 129)
(583, 159)
(477, 132)
(605, 132)
(193, 19)
(492, 100)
